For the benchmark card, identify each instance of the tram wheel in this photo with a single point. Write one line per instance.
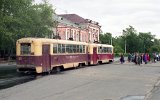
(80, 65)
(58, 69)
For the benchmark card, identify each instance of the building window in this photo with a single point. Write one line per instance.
(67, 34)
(77, 37)
(71, 35)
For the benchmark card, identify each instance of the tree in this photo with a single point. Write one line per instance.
(154, 49)
(42, 20)
(10, 23)
(118, 42)
(105, 38)
(146, 39)
(142, 42)
(130, 38)
(22, 18)
(118, 49)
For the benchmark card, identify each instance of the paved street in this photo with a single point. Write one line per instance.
(103, 82)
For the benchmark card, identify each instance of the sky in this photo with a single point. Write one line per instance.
(115, 15)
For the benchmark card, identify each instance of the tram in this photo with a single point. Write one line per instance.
(100, 53)
(46, 55)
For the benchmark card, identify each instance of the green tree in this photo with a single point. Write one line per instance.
(118, 49)
(146, 39)
(105, 38)
(154, 48)
(156, 41)
(42, 21)
(131, 39)
(22, 18)
(10, 12)
(119, 42)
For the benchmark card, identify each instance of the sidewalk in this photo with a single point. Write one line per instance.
(155, 92)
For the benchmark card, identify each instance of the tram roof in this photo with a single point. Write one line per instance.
(104, 45)
(47, 40)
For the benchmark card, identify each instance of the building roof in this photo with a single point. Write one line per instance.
(64, 21)
(74, 18)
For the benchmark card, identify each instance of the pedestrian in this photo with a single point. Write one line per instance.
(136, 58)
(145, 58)
(148, 57)
(139, 59)
(129, 57)
(157, 57)
(122, 59)
(154, 57)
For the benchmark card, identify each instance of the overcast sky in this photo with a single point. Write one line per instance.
(115, 15)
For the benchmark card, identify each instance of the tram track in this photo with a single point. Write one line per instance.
(9, 76)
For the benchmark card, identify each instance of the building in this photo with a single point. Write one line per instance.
(73, 27)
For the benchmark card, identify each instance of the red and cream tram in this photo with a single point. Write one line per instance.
(45, 55)
(100, 53)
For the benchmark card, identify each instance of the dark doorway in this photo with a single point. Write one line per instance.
(46, 57)
(95, 55)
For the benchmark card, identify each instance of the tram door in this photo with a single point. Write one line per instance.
(46, 57)
(95, 55)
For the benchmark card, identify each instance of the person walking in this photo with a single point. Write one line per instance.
(154, 57)
(142, 58)
(136, 58)
(139, 59)
(129, 57)
(145, 58)
(122, 59)
(148, 57)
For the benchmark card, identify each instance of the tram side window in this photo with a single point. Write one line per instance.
(59, 48)
(63, 48)
(105, 49)
(70, 48)
(25, 48)
(77, 49)
(67, 48)
(83, 49)
(54, 48)
(74, 48)
(110, 50)
(100, 49)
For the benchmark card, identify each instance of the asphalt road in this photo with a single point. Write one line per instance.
(103, 82)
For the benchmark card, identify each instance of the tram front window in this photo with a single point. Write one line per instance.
(25, 48)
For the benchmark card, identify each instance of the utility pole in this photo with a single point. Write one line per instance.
(111, 39)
